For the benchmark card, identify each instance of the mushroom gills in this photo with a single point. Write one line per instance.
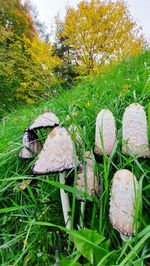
(31, 145)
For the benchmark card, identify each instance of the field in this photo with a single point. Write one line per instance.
(32, 227)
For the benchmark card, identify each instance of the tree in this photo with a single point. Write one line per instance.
(99, 33)
(62, 49)
(38, 78)
(15, 17)
(26, 61)
(15, 22)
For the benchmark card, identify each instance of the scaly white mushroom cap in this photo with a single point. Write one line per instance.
(122, 202)
(31, 145)
(47, 119)
(91, 180)
(105, 136)
(57, 154)
(135, 132)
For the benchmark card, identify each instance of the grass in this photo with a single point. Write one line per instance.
(32, 226)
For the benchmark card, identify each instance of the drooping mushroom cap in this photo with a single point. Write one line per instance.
(135, 132)
(47, 119)
(31, 145)
(122, 202)
(91, 185)
(57, 154)
(105, 135)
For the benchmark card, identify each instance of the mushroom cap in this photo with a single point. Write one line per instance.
(122, 202)
(47, 119)
(105, 135)
(92, 183)
(57, 154)
(31, 145)
(135, 132)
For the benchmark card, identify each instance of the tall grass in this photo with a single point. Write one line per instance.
(32, 226)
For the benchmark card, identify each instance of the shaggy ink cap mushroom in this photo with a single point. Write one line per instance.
(45, 120)
(105, 135)
(91, 184)
(122, 202)
(86, 182)
(57, 155)
(31, 145)
(135, 131)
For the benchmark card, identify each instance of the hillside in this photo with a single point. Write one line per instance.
(23, 242)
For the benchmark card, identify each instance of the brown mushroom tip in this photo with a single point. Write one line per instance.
(31, 145)
(135, 131)
(57, 155)
(122, 202)
(105, 135)
(45, 120)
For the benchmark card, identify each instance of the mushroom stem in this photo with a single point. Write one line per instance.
(65, 201)
(82, 214)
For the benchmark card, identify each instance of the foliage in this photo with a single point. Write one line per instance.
(66, 70)
(26, 61)
(38, 76)
(31, 219)
(99, 33)
(16, 18)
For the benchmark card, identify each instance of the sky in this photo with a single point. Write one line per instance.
(48, 9)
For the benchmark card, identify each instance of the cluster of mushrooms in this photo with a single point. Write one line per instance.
(58, 156)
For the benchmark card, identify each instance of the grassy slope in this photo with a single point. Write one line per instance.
(34, 245)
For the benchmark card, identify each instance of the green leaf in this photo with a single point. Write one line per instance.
(85, 248)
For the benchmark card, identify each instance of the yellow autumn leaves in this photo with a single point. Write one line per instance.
(99, 33)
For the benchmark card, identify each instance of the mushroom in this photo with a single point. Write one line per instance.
(30, 138)
(24, 184)
(86, 181)
(31, 145)
(105, 135)
(122, 202)
(45, 120)
(135, 132)
(57, 156)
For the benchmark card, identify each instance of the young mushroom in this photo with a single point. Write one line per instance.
(105, 136)
(122, 202)
(57, 156)
(31, 145)
(86, 181)
(135, 131)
